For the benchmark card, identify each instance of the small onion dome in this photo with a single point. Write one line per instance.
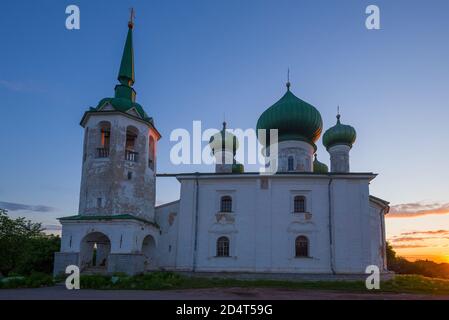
(294, 118)
(238, 168)
(319, 167)
(339, 134)
(224, 140)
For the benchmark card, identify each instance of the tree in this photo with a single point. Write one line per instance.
(24, 247)
(426, 268)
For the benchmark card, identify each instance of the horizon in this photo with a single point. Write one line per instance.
(199, 60)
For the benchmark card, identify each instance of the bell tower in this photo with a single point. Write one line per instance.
(119, 156)
(114, 230)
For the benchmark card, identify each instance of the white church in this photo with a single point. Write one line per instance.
(304, 219)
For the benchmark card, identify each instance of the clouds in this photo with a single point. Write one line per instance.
(409, 246)
(11, 206)
(417, 209)
(431, 232)
(420, 239)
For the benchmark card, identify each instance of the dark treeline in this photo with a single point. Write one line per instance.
(425, 268)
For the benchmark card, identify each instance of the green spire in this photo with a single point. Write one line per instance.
(124, 90)
(126, 74)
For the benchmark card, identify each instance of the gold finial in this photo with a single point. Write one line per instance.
(288, 79)
(338, 113)
(131, 18)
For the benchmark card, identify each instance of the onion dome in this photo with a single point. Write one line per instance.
(224, 140)
(294, 118)
(339, 134)
(319, 167)
(238, 168)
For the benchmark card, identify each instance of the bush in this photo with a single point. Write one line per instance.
(151, 281)
(35, 280)
(95, 282)
(24, 247)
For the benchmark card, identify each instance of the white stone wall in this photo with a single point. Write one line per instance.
(339, 158)
(301, 152)
(262, 226)
(126, 236)
(167, 217)
(107, 178)
(351, 225)
(378, 243)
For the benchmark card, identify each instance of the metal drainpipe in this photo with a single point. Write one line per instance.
(331, 242)
(195, 245)
(384, 242)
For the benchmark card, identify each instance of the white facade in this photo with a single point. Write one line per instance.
(262, 226)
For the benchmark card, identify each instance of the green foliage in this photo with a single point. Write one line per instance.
(416, 284)
(34, 280)
(151, 281)
(24, 247)
(169, 280)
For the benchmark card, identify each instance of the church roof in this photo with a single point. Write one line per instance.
(294, 118)
(109, 217)
(339, 134)
(124, 99)
(319, 167)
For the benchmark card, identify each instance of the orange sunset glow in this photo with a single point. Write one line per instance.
(419, 231)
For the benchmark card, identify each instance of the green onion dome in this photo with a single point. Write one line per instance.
(339, 134)
(238, 168)
(224, 140)
(294, 118)
(319, 167)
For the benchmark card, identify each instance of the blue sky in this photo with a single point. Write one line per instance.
(198, 59)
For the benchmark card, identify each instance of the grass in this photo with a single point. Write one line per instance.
(168, 280)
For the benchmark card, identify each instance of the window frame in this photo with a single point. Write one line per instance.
(228, 200)
(297, 207)
(223, 247)
(300, 250)
(292, 158)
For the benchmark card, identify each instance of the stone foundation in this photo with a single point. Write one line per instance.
(64, 259)
(127, 263)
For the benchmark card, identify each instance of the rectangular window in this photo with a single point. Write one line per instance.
(99, 202)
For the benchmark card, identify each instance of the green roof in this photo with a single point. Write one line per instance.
(319, 167)
(108, 217)
(224, 140)
(126, 73)
(124, 99)
(294, 118)
(339, 134)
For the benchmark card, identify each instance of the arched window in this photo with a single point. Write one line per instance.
(299, 204)
(291, 166)
(130, 145)
(105, 139)
(302, 246)
(226, 204)
(223, 247)
(151, 153)
(131, 137)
